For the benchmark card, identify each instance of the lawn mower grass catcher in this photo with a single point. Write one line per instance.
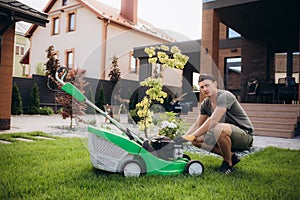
(129, 154)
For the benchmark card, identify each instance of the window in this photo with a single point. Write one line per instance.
(64, 2)
(71, 21)
(20, 50)
(55, 28)
(133, 63)
(232, 34)
(232, 73)
(234, 64)
(70, 58)
(281, 66)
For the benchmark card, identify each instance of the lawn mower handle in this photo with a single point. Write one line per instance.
(61, 79)
(77, 94)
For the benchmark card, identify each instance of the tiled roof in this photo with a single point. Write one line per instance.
(22, 12)
(111, 14)
(104, 11)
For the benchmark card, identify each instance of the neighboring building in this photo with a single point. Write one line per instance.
(11, 12)
(22, 45)
(87, 34)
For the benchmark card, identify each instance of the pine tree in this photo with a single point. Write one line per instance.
(34, 104)
(114, 73)
(101, 99)
(52, 66)
(16, 101)
(89, 96)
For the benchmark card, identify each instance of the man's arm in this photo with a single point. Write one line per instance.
(209, 123)
(200, 120)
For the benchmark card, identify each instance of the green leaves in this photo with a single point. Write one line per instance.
(155, 89)
(167, 58)
(154, 93)
(163, 55)
(16, 101)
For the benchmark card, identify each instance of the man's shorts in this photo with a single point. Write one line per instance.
(240, 139)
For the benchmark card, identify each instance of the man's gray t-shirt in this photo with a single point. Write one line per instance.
(235, 114)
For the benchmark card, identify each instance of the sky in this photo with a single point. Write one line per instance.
(181, 19)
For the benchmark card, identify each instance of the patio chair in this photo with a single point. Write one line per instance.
(252, 88)
(281, 80)
(267, 88)
(287, 91)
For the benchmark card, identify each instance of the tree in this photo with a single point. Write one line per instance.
(114, 73)
(101, 99)
(115, 76)
(154, 93)
(34, 104)
(167, 58)
(89, 96)
(71, 108)
(52, 66)
(16, 101)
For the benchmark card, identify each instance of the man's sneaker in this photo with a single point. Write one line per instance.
(225, 168)
(235, 159)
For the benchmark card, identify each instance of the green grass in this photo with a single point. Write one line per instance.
(61, 169)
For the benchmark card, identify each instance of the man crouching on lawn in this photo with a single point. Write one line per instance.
(222, 126)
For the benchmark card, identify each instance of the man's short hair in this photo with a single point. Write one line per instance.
(203, 77)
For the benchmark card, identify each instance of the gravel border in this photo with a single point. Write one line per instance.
(81, 132)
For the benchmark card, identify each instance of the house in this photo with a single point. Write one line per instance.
(256, 40)
(11, 12)
(266, 30)
(22, 45)
(247, 40)
(87, 34)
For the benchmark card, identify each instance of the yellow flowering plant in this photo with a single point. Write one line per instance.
(172, 58)
(167, 57)
(154, 93)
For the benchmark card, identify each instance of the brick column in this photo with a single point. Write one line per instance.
(6, 70)
(210, 44)
(299, 70)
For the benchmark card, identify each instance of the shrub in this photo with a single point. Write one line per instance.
(89, 96)
(16, 101)
(34, 104)
(46, 111)
(101, 99)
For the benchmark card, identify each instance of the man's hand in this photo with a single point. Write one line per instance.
(189, 137)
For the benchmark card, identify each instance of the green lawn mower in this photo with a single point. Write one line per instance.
(129, 154)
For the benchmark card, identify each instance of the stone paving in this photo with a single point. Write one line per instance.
(57, 126)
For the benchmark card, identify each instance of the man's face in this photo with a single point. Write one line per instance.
(208, 87)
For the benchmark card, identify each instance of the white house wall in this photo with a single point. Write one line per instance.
(89, 43)
(86, 41)
(120, 42)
